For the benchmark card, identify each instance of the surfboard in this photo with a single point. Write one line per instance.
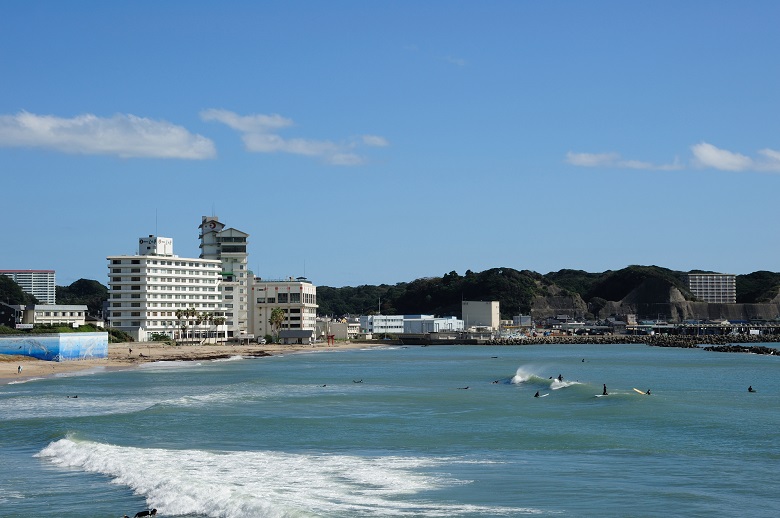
(602, 395)
(641, 392)
(545, 395)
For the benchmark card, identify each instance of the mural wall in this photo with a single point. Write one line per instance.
(57, 347)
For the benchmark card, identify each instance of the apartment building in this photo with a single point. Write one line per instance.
(147, 290)
(41, 284)
(228, 246)
(713, 287)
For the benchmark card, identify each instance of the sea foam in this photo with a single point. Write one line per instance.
(269, 483)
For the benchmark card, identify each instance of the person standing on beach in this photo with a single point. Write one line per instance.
(19, 370)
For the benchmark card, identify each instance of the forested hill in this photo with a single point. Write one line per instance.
(517, 291)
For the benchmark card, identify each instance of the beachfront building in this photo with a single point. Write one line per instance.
(146, 291)
(296, 296)
(228, 246)
(71, 315)
(478, 313)
(382, 324)
(713, 287)
(41, 284)
(424, 324)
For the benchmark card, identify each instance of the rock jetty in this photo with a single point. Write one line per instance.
(718, 343)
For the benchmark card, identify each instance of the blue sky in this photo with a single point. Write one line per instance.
(380, 142)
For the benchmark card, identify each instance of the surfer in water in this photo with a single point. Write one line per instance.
(537, 394)
(560, 377)
(751, 389)
(605, 390)
(648, 392)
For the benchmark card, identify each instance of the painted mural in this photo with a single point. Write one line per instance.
(57, 347)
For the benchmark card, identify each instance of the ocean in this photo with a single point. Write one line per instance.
(439, 431)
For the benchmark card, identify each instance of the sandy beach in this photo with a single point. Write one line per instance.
(129, 355)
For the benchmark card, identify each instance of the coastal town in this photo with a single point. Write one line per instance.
(156, 296)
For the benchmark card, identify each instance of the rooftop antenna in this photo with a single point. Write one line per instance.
(155, 222)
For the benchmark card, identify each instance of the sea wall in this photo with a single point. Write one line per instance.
(58, 346)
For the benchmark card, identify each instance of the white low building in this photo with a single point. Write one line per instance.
(53, 314)
(425, 324)
(382, 324)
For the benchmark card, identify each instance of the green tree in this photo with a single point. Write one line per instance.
(12, 293)
(276, 320)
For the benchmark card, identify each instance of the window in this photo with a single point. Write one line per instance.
(135, 261)
(282, 298)
(295, 298)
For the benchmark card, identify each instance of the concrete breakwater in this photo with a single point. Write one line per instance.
(718, 343)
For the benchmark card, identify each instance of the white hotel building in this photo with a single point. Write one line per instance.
(145, 290)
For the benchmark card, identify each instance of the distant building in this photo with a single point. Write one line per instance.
(41, 284)
(382, 324)
(424, 324)
(65, 315)
(713, 287)
(146, 291)
(481, 314)
(296, 296)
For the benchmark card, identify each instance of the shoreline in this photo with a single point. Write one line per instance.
(129, 355)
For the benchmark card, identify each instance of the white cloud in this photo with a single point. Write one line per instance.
(614, 160)
(707, 155)
(123, 135)
(246, 123)
(375, 141)
(259, 135)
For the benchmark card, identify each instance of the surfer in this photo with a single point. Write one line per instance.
(750, 389)
(648, 392)
(537, 394)
(605, 390)
(560, 378)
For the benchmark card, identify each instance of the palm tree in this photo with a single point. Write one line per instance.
(180, 314)
(276, 320)
(208, 319)
(218, 321)
(198, 319)
(191, 314)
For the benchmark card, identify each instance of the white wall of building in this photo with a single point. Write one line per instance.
(429, 324)
(382, 324)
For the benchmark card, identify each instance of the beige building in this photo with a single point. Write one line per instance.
(478, 313)
(296, 296)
